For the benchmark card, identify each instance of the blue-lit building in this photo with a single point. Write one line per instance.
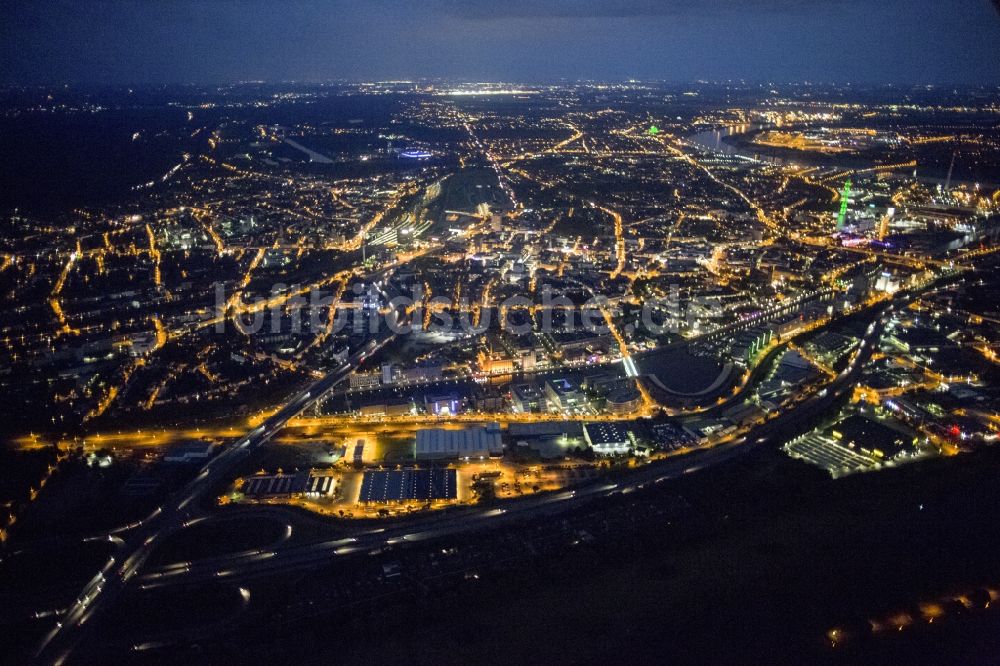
(442, 404)
(563, 395)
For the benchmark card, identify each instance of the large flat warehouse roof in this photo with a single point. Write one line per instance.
(465, 443)
(409, 484)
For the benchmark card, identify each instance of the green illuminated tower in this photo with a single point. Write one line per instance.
(845, 199)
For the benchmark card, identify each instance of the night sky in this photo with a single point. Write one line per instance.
(209, 41)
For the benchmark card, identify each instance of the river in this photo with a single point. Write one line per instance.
(714, 141)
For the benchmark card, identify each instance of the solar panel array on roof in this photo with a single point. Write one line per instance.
(409, 484)
(277, 484)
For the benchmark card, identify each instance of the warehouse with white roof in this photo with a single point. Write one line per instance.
(441, 444)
